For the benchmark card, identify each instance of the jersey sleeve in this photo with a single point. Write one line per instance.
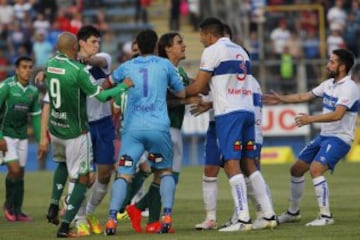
(319, 90)
(208, 59)
(87, 83)
(175, 82)
(118, 74)
(4, 91)
(46, 98)
(36, 108)
(107, 57)
(349, 98)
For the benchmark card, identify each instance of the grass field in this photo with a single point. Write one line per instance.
(188, 211)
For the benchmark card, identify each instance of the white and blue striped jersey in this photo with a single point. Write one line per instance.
(146, 107)
(346, 93)
(97, 110)
(257, 97)
(230, 83)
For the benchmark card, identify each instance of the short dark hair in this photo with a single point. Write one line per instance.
(227, 30)
(166, 40)
(213, 26)
(345, 57)
(88, 31)
(147, 40)
(22, 58)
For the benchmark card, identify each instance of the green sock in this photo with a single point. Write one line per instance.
(9, 192)
(138, 181)
(76, 198)
(19, 196)
(59, 181)
(143, 203)
(154, 200)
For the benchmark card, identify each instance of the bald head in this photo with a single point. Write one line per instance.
(67, 44)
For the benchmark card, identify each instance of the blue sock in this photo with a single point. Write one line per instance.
(118, 194)
(167, 191)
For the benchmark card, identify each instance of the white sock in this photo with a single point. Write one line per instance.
(251, 197)
(297, 185)
(98, 193)
(238, 190)
(322, 194)
(261, 194)
(210, 191)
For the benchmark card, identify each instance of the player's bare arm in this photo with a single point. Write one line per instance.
(275, 98)
(200, 84)
(304, 119)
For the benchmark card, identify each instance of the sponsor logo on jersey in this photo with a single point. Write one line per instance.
(55, 70)
(155, 157)
(144, 108)
(20, 107)
(237, 146)
(239, 91)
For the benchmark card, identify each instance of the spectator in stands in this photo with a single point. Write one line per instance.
(47, 7)
(141, 11)
(336, 15)
(100, 22)
(308, 21)
(6, 13)
(355, 9)
(254, 46)
(194, 13)
(351, 33)
(16, 37)
(109, 44)
(53, 33)
(311, 48)
(76, 22)
(174, 21)
(4, 65)
(20, 9)
(63, 20)
(334, 40)
(41, 23)
(279, 37)
(42, 50)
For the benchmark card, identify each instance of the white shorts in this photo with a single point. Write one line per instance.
(17, 150)
(77, 153)
(177, 141)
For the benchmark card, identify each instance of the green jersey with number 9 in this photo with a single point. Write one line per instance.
(68, 84)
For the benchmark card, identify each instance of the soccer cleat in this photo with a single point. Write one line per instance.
(22, 217)
(82, 228)
(122, 216)
(227, 224)
(135, 217)
(110, 227)
(263, 223)
(166, 224)
(239, 226)
(64, 231)
(53, 214)
(153, 227)
(94, 224)
(9, 214)
(322, 220)
(288, 217)
(206, 225)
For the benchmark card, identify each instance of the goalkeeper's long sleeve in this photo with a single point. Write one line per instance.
(107, 94)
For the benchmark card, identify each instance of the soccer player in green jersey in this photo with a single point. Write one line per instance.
(18, 99)
(68, 83)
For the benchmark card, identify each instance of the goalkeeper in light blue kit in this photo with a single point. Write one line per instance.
(146, 125)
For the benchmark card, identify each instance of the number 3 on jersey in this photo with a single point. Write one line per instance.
(241, 76)
(55, 92)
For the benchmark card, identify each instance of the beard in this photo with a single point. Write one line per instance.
(333, 74)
